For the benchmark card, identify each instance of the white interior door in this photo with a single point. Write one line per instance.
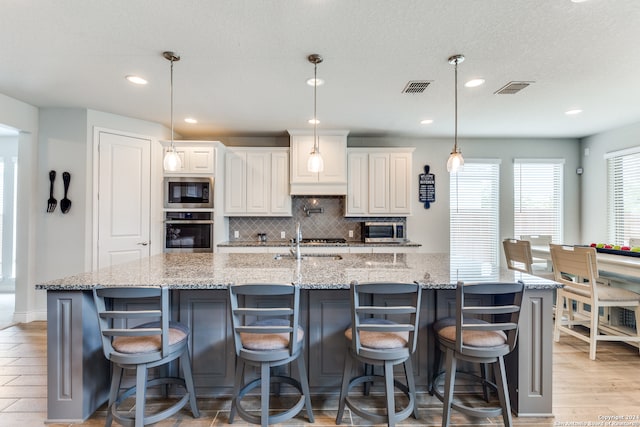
(124, 198)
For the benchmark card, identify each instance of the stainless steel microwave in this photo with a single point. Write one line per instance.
(188, 192)
(384, 232)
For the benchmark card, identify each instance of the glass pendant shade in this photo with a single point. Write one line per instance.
(172, 161)
(455, 162)
(315, 163)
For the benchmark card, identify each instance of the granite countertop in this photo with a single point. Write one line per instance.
(287, 243)
(218, 270)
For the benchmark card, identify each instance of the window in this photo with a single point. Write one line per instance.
(623, 182)
(537, 198)
(473, 216)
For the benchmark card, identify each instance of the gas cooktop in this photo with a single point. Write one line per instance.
(324, 241)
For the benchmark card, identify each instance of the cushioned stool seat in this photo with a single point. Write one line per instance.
(140, 347)
(382, 342)
(477, 340)
(276, 339)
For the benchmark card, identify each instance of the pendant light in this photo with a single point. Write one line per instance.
(315, 163)
(456, 161)
(172, 160)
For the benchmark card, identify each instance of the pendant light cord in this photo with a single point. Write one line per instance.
(173, 148)
(455, 135)
(316, 143)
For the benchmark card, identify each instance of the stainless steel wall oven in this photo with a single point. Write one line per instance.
(188, 232)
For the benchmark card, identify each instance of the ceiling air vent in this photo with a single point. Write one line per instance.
(416, 86)
(512, 88)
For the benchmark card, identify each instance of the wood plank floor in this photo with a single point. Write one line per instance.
(586, 392)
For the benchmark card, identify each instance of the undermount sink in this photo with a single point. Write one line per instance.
(328, 257)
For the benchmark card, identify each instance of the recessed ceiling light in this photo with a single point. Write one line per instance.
(315, 82)
(191, 120)
(426, 122)
(578, 1)
(573, 112)
(474, 83)
(314, 121)
(136, 80)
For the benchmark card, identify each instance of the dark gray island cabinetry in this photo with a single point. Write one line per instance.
(78, 372)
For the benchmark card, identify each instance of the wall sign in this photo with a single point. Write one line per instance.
(427, 187)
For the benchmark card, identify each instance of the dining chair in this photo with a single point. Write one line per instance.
(576, 268)
(483, 331)
(137, 335)
(267, 334)
(383, 332)
(518, 256)
(539, 240)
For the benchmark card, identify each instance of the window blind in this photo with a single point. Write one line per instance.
(473, 217)
(537, 198)
(623, 182)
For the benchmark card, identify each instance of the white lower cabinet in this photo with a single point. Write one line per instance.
(257, 182)
(379, 182)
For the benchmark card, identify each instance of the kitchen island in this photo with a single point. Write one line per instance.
(78, 373)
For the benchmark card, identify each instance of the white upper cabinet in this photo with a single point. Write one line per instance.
(333, 148)
(380, 182)
(196, 159)
(257, 182)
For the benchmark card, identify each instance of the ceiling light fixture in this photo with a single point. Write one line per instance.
(191, 120)
(172, 161)
(315, 163)
(573, 112)
(456, 161)
(474, 83)
(426, 122)
(136, 80)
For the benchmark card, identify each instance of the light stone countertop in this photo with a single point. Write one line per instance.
(218, 270)
(286, 243)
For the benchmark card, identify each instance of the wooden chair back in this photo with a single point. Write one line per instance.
(518, 255)
(576, 268)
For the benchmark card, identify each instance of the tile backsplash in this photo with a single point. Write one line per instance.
(331, 223)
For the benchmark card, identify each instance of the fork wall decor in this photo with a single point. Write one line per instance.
(65, 203)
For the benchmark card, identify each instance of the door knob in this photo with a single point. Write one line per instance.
(143, 243)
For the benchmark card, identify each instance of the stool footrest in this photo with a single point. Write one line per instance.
(273, 418)
(487, 411)
(372, 416)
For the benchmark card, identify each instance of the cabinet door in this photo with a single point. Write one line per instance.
(329, 316)
(301, 146)
(400, 183)
(206, 314)
(201, 160)
(378, 183)
(235, 197)
(358, 184)
(280, 198)
(258, 172)
(334, 151)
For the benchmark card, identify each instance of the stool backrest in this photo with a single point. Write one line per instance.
(121, 312)
(576, 268)
(253, 302)
(380, 300)
(500, 310)
(518, 255)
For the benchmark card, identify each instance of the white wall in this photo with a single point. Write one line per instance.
(594, 179)
(24, 117)
(430, 226)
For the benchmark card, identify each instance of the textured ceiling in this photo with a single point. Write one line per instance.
(244, 66)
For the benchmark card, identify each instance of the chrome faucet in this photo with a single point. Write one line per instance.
(296, 251)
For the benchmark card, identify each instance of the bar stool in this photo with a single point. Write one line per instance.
(140, 339)
(486, 341)
(383, 333)
(267, 334)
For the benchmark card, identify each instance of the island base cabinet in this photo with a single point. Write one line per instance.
(78, 374)
(206, 313)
